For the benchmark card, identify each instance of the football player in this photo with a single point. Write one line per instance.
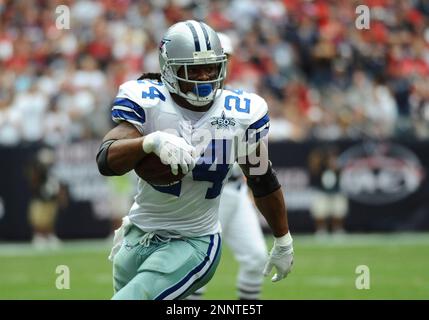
(169, 244)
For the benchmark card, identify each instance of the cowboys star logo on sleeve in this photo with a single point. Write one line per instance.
(222, 122)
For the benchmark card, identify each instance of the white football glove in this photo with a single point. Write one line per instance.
(281, 257)
(172, 150)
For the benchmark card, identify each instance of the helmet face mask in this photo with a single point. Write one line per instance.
(183, 49)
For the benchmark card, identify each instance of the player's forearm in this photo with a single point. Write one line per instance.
(273, 208)
(124, 155)
(268, 197)
(121, 150)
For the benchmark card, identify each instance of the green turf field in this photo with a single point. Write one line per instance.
(323, 269)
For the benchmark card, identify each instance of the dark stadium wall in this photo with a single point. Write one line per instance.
(396, 191)
(76, 220)
(404, 207)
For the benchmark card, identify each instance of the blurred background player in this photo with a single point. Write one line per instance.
(329, 203)
(241, 230)
(43, 207)
(243, 234)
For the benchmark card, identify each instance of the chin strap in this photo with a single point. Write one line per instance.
(198, 101)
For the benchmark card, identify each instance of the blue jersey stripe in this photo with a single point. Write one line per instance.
(258, 124)
(262, 133)
(126, 115)
(125, 102)
(259, 134)
(194, 271)
(264, 121)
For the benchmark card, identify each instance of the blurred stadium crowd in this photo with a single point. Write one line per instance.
(322, 77)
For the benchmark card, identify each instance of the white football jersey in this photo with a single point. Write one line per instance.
(189, 208)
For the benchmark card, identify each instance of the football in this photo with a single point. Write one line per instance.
(152, 170)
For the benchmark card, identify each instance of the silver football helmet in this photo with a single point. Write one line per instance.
(186, 44)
